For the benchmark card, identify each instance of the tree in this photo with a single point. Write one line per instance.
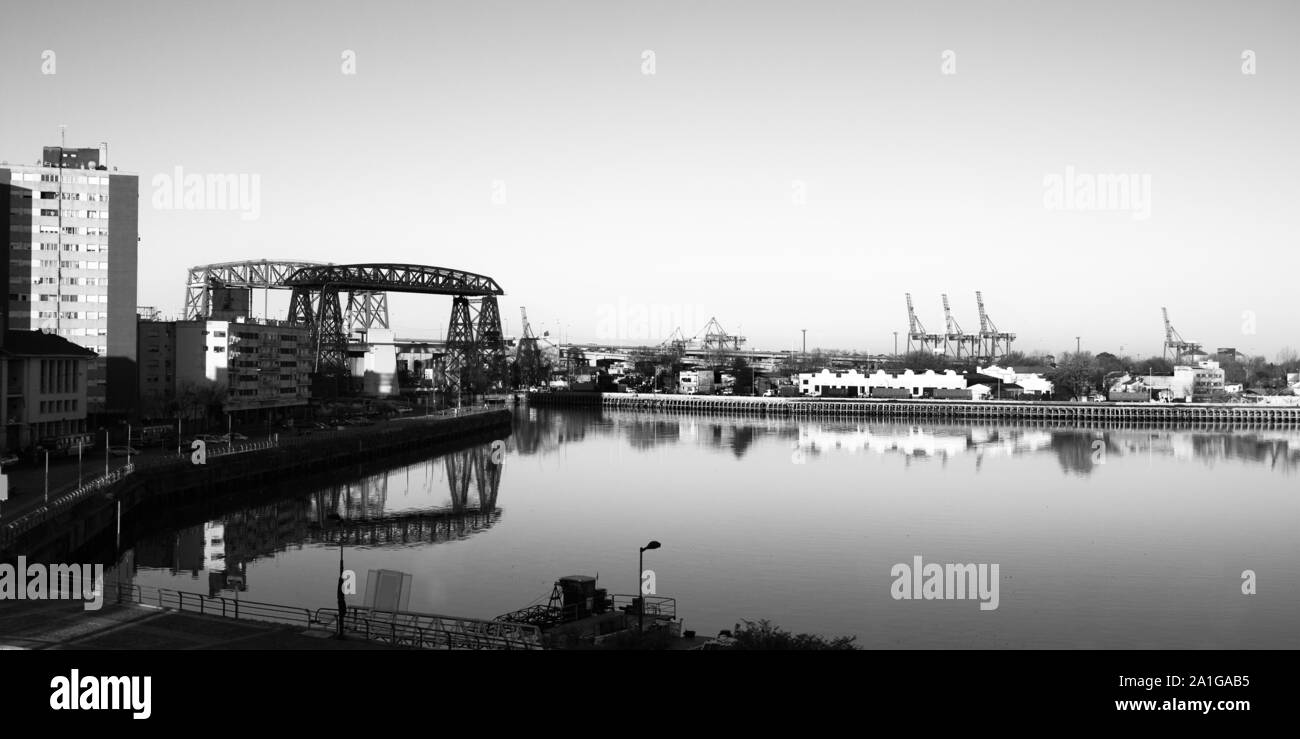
(201, 399)
(922, 361)
(1075, 375)
(1153, 366)
(1018, 358)
(763, 635)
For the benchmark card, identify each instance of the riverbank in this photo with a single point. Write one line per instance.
(73, 522)
(1078, 414)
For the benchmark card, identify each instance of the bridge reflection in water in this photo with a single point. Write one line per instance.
(359, 512)
(363, 517)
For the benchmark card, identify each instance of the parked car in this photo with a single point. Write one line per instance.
(122, 450)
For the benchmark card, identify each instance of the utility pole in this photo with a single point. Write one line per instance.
(1077, 345)
(805, 341)
(895, 344)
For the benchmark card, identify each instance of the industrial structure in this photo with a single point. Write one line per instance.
(956, 342)
(475, 351)
(712, 341)
(994, 344)
(987, 346)
(918, 339)
(1177, 349)
(530, 361)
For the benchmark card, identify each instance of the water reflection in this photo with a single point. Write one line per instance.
(1109, 538)
(449, 498)
(1079, 452)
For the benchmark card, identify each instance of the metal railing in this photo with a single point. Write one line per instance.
(60, 502)
(225, 449)
(432, 631)
(213, 605)
(657, 606)
(395, 628)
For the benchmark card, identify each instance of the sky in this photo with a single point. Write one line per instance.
(625, 168)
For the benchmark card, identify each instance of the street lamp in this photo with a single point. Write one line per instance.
(641, 596)
(342, 602)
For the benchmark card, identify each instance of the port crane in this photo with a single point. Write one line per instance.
(924, 341)
(958, 343)
(1175, 346)
(994, 344)
(529, 358)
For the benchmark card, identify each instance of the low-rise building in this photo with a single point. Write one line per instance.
(696, 382)
(251, 368)
(854, 384)
(1030, 381)
(43, 378)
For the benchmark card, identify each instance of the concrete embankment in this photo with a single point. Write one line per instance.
(180, 482)
(1074, 414)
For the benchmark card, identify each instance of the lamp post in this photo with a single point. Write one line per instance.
(342, 602)
(641, 596)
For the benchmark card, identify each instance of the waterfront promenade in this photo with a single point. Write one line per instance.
(70, 518)
(1065, 413)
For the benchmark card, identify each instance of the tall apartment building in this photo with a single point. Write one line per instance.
(71, 228)
(251, 368)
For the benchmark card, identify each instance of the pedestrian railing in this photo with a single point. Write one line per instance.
(394, 628)
(213, 605)
(59, 503)
(223, 449)
(431, 631)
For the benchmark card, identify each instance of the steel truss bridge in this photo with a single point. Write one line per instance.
(475, 343)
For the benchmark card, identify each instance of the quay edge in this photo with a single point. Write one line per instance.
(1067, 413)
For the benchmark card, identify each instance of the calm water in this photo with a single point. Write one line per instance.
(1103, 539)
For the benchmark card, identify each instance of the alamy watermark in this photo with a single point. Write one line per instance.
(38, 581)
(930, 581)
(181, 191)
(1075, 190)
(76, 692)
(647, 322)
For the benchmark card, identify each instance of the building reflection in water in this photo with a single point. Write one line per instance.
(429, 508)
(1078, 451)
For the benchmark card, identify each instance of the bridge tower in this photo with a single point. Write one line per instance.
(487, 476)
(462, 351)
(459, 469)
(491, 342)
(332, 346)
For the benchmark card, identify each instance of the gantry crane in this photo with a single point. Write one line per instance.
(924, 341)
(529, 359)
(957, 343)
(994, 344)
(1175, 345)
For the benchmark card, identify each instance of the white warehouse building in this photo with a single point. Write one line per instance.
(851, 383)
